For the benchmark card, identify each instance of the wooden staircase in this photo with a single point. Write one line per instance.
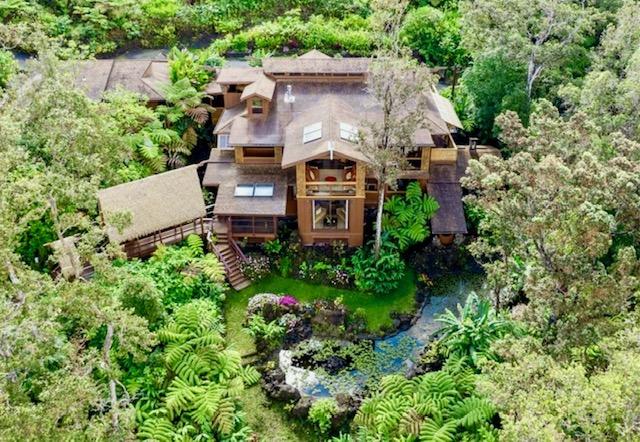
(231, 257)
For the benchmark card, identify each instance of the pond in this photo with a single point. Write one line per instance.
(395, 353)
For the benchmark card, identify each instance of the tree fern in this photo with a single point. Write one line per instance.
(212, 267)
(157, 429)
(250, 375)
(195, 245)
(438, 431)
(473, 412)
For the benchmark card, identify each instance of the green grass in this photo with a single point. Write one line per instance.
(377, 308)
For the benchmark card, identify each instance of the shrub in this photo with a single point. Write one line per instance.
(288, 300)
(268, 335)
(405, 217)
(256, 267)
(321, 413)
(380, 275)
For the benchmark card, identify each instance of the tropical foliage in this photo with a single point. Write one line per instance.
(440, 406)
(203, 380)
(380, 274)
(406, 217)
(470, 334)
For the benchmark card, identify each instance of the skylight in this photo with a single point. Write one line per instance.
(256, 190)
(348, 132)
(312, 132)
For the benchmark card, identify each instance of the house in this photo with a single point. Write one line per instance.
(145, 77)
(285, 149)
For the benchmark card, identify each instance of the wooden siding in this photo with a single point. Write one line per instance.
(353, 236)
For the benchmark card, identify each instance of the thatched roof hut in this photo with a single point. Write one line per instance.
(155, 203)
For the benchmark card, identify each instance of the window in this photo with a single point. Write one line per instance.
(256, 106)
(348, 132)
(223, 141)
(312, 132)
(255, 190)
(330, 214)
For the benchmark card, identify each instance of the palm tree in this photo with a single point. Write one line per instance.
(471, 333)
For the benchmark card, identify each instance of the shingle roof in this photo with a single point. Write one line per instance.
(446, 110)
(303, 65)
(262, 87)
(330, 112)
(449, 218)
(155, 203)
(141, 76)
(238, 75)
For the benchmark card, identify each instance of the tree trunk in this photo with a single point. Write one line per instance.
(454, 82)
(378, 241)
(106, 349)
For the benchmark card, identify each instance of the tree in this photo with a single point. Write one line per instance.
(560, 225)
(8, 67)
(608, 94)
(495, 84)
(539, 398)
(400, 86)
(436, 36)
(542, 34)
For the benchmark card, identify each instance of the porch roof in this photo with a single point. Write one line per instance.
(449, 218)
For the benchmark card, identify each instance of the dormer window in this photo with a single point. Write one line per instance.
(312, 132)
(256, 106)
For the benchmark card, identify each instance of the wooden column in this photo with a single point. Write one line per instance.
(425, 157)
(239, 153)
(361, 171)
(301, 179)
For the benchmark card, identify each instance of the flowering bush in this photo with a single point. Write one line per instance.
(288, 300)
(256, 267)
(259, 301)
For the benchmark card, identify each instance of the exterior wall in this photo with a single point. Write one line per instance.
(231, 99)
(353, 236)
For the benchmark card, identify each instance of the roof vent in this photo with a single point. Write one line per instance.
(312, 132)
(289, 98)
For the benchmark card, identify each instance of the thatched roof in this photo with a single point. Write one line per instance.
(263, 87)
(320, 66)
(155, 203)
(330, 113)
(238, 75)
(450, 216)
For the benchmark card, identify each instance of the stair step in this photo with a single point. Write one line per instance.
(242, 285)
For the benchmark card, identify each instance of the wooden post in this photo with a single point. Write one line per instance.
(301, 180)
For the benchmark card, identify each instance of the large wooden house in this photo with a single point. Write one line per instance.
(286, 148)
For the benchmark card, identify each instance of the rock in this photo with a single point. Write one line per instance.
(274, 376)
(402, 321)
(301, 409)
(333, 364)
(286, 393)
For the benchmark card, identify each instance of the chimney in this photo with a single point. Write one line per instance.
(473, 143)
(289, 98)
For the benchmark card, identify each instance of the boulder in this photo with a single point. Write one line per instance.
(286, 393)
(301, 409)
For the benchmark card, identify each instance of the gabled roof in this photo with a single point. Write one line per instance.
(144, 77)
(155, 203)
(329, 112)
(315, 54)
(238, 75)
(263, 87)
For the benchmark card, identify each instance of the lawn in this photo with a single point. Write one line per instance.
(378, 308)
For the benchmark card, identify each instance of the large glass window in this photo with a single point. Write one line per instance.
(256, 106)
(223, 141)
(330, 214)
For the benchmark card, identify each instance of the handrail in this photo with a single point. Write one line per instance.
(331, 183)
(236, 248)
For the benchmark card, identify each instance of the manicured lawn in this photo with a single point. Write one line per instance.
(377, 308)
